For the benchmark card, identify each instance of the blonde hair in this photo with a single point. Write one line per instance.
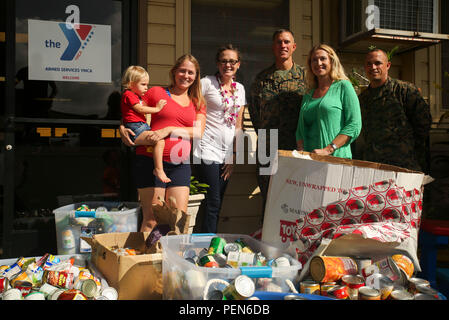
(133, 74)
(337, 70)
(194, 91)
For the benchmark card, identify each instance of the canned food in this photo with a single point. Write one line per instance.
(232, 247)
(243, 245)
(214, 295)
(368, 293)
(382, 283)
(191, 260)
(413, 282)
(110, 293)
(61, 279)
(208, 261)
(362, 262)
(35, 296)
(79, 260)
(338, 292)
(422, 296)
(325, 288)
(241, 259)
(353, 282)
(12, 294)
(216, 245)
(405, 264)
(24, 287)
(101, 298)
(309, 287)
(55, 295)
(260, 259)
(4, 284)
(89, 288)
(47, 289)
(422, 288)
(72, 294)
(281, 262)
(401, 295)
(241, 288)
(325, 269)
(384, 266)
(294, 297)
(220, 258)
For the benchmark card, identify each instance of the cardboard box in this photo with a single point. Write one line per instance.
(304, 184)
(134, 277)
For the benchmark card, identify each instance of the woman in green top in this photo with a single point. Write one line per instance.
(330, 118)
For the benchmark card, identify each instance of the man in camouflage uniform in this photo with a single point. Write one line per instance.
(395, 118)
(275, 100)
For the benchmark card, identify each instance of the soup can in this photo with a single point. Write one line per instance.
(326, 287)
(12, 294)
(35, 296)
(110, 293)
(382, 283)
(338, 292)
(401, 295)
(422, 288)
(4, 284)
(413, 282)
(423, 296)
(368, 293)
(309, 287)
(241, 288)
(325, 269)
(353, 282)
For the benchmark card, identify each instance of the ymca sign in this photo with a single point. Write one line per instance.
(59, 51)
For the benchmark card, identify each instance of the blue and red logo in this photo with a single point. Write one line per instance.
(78, 39)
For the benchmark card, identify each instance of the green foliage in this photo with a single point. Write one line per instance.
(197, 187)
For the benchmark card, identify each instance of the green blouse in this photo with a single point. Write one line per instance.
(323, 119)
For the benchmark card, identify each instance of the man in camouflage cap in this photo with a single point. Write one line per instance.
(275, 100)
(395, 118)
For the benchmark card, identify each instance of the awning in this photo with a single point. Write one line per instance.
(387, 39)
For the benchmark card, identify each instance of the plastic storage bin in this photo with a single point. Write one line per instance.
(183, 280)
(112, 217)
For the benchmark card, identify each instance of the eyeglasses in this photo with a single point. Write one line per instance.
(232, 62)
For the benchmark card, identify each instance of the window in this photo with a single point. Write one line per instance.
(247, 24)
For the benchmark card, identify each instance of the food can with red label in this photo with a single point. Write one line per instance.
(241, 288)
(24, 287)
(309, 287)
(368, 293)
(208, 261)
(72, 294)
(325, 287)
(353, 282)
(61, 279)
(339, 292)
(4, 284)
(325, 268)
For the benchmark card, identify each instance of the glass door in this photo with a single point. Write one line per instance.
(61, 88)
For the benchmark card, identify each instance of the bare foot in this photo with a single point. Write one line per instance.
(160, 174)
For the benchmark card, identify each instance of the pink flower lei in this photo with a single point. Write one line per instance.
(230, 110)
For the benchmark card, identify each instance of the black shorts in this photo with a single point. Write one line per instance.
(144, 177)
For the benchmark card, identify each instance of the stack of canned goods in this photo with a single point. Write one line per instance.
(221, 254)
(355, 278)
(50, 278)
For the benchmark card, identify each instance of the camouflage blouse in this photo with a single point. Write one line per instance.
(396, 122)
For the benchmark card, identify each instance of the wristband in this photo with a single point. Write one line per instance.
(334, 146)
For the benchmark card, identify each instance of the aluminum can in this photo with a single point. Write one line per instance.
(405, 264)
(35, 296)
(353, 282)
(326, 287)
(12, 294)
(282, 262)
(24, 287)
(309, 287)
(72, 294)
(245, 248)
(401, 295)
(325, 269)
(208, 261)
(382, 283)
(368, 293)
(216, 245)
(4, 284)
(61, 279)
(221, 259)
(362, 262)
(413, 282)
(422, 296)
(422, 288)
(89, 288)
(339, 292)
(47, 290)
(55, 295)
(110, 293)
(241, 288)
(232, 247)
(386, 267)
